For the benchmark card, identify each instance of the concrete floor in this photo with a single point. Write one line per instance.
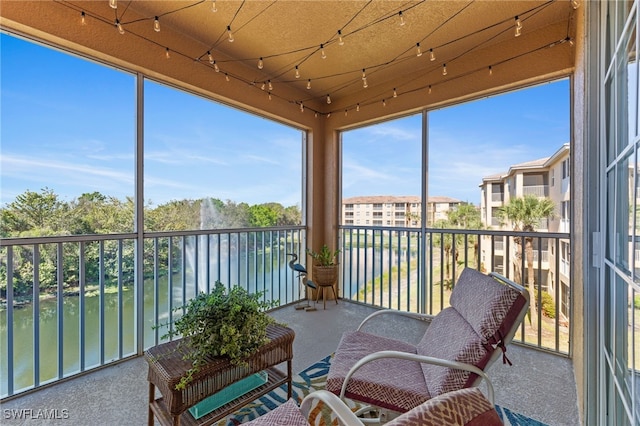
(539, 385)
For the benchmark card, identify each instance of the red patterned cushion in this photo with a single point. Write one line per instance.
(390, 383)
(465, 407)
(288, 414)
(450, 337)
(490, 307)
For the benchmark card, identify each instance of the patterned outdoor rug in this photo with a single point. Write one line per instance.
(314, 378)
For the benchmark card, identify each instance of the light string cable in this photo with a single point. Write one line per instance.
(530, 12)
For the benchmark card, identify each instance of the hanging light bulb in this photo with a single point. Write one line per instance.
(229, 34)
(260, 63)
(575, 4)
(444, 69)
(83, 21)
(322, 54)
(156, 25)
(358, 107)
(429, 89)
(432, 55)
(226, 77)
(113, 4)
(395, 93)
(401, 18)
(518, 27)
(297, 72)
(216, 67)
(309, 84)
(263, 86)
(418, 51)
(270, 85)
(213, 6)
(365, 84)
(211, 61)
(340, 40)
(166, 53)
(269, 95)
(490, 70)
(301, 107)
(364, 74)
(328, 114)
(315, 114)
(571, 43)
(119, 26)
(328, 99)
(384, 103)
(345, 112)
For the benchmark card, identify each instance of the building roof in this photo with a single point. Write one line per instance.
(373, 199)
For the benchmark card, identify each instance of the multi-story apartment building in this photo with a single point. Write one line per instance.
(547, 177)
(391, 210)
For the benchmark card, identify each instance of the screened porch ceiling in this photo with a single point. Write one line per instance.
(475, 40)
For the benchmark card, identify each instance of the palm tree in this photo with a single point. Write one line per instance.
(525, 214)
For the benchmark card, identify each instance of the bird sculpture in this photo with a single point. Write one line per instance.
(302, 273)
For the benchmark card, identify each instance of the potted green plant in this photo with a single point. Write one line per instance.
(325, 265)
(229, 323)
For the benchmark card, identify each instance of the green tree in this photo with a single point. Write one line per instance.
(33, 211)
(263, 215)
(525, 214)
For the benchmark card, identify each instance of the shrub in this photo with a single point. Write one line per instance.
(548, 305)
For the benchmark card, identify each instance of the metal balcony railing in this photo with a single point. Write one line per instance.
(92, 305)
(75, 303)
(414, 270)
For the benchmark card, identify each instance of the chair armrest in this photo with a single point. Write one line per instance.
(422, 359)
(414, 315)
(344, 414)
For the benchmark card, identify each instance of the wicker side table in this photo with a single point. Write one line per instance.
(166, 367)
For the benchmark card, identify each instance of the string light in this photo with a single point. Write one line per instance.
(432, 55)
(211, 61)
(213, 6)
(301, 107)
(345, 112)
(518, 27)
(384, 103)
(270, 85)
(166, 53)
(226, 77)
(328, 114)
(156, 25)
(113, 4)
(364, 79)
(216, 67)
(358, 107)
(490, 70)
(328, 99)
(263, 86)
(575, 4)
(316, 114)
(571, 43)
(309, 84)
(83, 20)
(260, 63)
(340, 40)
(322, 54)
(119, 26)
(395, 93)
(401, 19)
(229, 34)
(269, 95)
(418, 51)
(444, 69)
(429, 89)
(297, 72)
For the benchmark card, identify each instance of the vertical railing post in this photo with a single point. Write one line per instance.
(139, 217)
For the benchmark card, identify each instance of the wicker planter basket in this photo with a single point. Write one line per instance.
(325, 275)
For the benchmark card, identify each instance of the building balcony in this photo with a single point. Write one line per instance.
(60, 338)
(539, 384)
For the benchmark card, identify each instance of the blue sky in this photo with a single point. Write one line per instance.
(68, 125)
